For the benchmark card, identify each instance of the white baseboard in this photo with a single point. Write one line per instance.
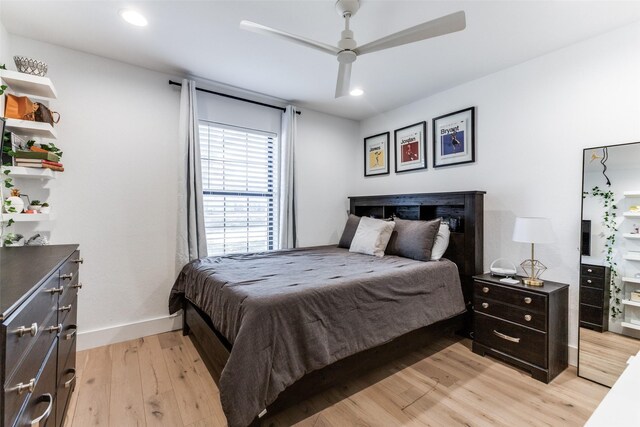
(573, 355)
(126, 332)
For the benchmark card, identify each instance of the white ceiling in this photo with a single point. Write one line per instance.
(202, 38)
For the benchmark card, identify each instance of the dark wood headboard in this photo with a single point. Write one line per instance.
(465, 244)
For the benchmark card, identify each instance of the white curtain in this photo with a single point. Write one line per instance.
(192, 236)
(287, 224)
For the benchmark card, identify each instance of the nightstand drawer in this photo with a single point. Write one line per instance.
(510, 295)
(591, 314)
(523, 343)
(592, 282)
(521, 315)
(592, 270)
(592, 296)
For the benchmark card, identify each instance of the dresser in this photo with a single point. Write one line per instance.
(594, 297)
(524, 326)
(38, 310)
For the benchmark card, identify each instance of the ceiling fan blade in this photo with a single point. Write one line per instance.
(344, 80)
(261, 29)
(437, 27)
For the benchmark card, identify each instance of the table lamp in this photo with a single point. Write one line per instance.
(533, 230)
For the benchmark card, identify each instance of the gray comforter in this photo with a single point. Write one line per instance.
(290, 312)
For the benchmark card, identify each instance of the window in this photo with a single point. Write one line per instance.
(239, 182)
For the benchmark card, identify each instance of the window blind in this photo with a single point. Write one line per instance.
(239, 181)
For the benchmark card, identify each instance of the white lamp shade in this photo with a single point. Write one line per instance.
(533, 230)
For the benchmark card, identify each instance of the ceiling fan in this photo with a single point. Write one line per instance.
(348, 50)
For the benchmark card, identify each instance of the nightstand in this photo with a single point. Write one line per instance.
(522, 325)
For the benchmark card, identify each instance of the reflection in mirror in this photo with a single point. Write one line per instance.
(609, 313)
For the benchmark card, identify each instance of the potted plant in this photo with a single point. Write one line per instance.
(35, 205)
(45, 208)
(13, 239)
(14, 204)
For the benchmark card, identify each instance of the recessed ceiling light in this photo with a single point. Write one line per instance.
(356, 92)
(133, 17)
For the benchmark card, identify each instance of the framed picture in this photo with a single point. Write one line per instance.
(376, 154)
(411, 147)
(454, 138)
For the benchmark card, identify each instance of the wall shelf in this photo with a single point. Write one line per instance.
(31, 173)
(632, 194)
(632, 256)
(27, 217)
(631, 236)
(29, 128)
(28, 84)
(631, 279)
(632, 303)
(630, 326)
(632, 214)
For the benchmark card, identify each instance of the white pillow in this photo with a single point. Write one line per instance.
(372, 236)
(442, 242)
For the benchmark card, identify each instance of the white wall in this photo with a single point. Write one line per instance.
(533, 120)
(117, 196)
(4, 43)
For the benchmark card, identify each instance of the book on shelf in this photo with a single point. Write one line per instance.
(42, 155)
(41, 166)
(23, 162)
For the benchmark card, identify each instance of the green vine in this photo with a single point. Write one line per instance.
(609, 222)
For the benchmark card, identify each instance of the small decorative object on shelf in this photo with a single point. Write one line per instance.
(45, 208)
(37, 240)
(634, 208)
(14, 203)
(13, 239)
(35, 205)
(31, 66)
(635, 295)
(635, 229)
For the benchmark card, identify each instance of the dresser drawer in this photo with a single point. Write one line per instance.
(591, 314)
(68, 334)
(70, 268)
(16, 389)
(591, 296)
(521, 315)
(592, 282)
(592, 270)
(66, 383)
(24, 326)
(510, 295)
(523, 343)
(68, 299)
(41, 405)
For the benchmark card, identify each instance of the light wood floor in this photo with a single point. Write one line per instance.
(604, 355)
(161, 381)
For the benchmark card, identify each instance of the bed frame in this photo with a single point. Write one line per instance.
(465, 249)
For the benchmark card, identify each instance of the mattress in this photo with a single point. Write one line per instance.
(290, 312)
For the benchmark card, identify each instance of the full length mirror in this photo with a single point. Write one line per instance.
(609, 314)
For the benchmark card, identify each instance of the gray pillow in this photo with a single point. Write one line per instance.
(349, 231)
(413, 239)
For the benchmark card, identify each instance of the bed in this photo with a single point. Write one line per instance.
(274, 327)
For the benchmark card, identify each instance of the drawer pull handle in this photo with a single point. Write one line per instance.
(65, 308)
(485, 290)
(78, 261)
(66, 276)
(506, 337)
(21, 331)
(527, 317)
(527, 300)
(67, 384)
(77, 286)
(589, 281)
(36, 422)
(71, 334)
(485, 305)
(589, 270)
(52, 329)
(59, 290)
(21, 388)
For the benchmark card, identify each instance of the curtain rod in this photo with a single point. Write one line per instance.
(171, 82)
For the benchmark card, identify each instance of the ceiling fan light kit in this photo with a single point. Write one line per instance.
(348, 51)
